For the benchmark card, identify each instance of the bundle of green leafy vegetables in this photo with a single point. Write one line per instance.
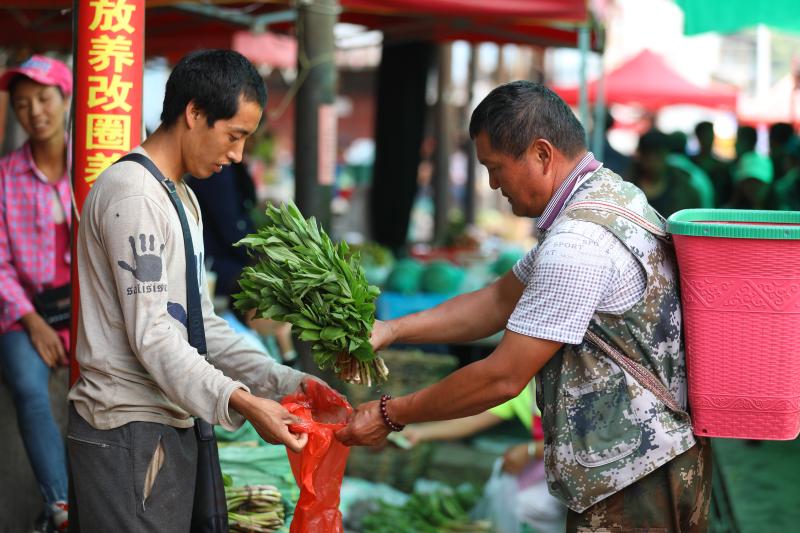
(303, 278)
(443, 511)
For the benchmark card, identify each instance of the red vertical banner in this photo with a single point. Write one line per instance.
(108, 64)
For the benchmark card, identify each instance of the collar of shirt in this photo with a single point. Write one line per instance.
(579, 174)
(28, 154)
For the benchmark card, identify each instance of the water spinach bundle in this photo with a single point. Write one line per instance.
(303, 278)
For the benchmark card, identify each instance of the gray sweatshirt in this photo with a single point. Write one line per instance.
(135, 360)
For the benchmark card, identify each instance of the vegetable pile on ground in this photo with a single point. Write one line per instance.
(254, 508)
(434, 512)
(303, 278)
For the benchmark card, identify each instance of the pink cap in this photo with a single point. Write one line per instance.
(41, 69)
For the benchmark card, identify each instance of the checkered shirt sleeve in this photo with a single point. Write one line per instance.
(579, 269)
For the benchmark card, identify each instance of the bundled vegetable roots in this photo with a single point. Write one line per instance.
(254, 508)
(303, 278)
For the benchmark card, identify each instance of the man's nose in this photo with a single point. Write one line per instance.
(235, 155)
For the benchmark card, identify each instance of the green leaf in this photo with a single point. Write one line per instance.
(330, 333)
(364, 353)
(304, 278)
(309, 335)
(305, 323)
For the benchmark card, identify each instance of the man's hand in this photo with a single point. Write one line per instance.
(270, 419)
(516, 458)
(324, 406)
(383, 334)
(45, 340)
(415, 433)
(311, 377)
(366, 427)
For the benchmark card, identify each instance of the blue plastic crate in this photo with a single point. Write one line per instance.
(391, 305)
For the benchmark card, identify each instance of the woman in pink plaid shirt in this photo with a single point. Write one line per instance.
(34, 257)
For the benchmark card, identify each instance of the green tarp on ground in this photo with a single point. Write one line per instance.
(762, 482)
(735, 15)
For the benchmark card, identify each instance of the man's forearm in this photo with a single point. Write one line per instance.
(240, 401)
(465, 318)
(457, 428)
(478, 386)
(466, 392)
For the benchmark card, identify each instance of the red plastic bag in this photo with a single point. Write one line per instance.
(319, 468)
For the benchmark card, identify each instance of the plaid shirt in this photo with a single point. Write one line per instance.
(27, 233)
(579, 270)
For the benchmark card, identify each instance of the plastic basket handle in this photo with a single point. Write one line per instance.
(645, 377)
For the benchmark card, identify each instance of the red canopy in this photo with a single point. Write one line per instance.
(564, 10)
(648, 81)
(46, 24)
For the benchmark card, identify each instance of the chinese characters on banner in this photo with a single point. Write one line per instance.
(108, 111)
(109, 57)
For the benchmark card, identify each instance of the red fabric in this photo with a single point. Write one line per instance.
(62, 255)
(648, 81)
(319, 467)
(537, 430)
(173, 33)
(571, 10)
(63, 271)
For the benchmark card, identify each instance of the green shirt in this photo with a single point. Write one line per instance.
(522, 406)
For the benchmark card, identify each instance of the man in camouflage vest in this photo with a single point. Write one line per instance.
(593, 312)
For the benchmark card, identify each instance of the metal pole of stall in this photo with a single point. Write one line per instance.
(583, 100)
(472, 160)
(315, 113)
(599, 126)
(444, 146)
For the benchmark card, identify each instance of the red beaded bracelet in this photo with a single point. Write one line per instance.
(386, 420)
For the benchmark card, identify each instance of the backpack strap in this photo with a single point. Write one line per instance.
(196, 331)
(639, 220)
(639, 372)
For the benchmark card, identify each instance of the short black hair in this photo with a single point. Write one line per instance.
(703, 127)
(780, 133)
(214, 80)
(653, 141)
(514, 115)
(747, 137)
(677, 142)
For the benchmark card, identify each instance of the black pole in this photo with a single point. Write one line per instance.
(443, 126)
(315, 148)
(472, 160)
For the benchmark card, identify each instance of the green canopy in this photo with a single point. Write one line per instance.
(734, 15)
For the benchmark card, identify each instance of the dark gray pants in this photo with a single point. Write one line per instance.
(108, 470)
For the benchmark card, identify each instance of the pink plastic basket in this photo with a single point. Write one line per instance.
(740, 292)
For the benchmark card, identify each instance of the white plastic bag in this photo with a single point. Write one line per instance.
(499, 501)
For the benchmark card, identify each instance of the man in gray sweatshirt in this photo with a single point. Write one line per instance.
(131, 445)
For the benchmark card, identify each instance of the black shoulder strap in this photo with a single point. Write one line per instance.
(197, 333)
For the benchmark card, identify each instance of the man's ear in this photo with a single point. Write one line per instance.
(192, 114)
(542, 152)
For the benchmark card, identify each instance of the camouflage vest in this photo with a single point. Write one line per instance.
(603, 430)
